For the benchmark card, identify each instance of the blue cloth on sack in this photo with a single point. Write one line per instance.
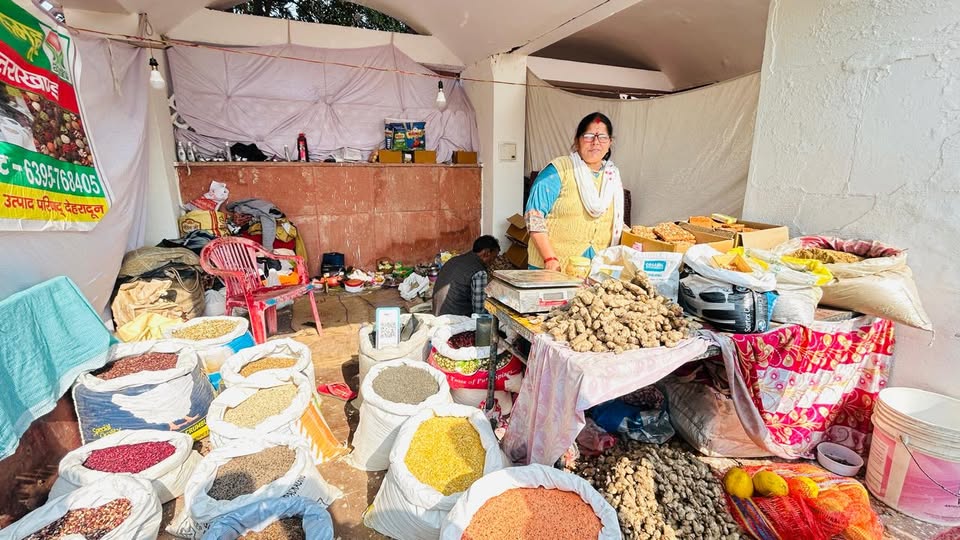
(49, 335)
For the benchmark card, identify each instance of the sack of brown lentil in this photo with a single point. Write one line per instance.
(145, 385)
(555, 504)
(273, 357)
(439, 453)
(118, 507)
(214, 338)
(249, 472)
(284, 518)
(393, 391)
(165, 458)
(278, 403)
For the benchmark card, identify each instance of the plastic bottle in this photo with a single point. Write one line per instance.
(229, 154)
(191, 152)
(286, 152)
(302, 153)
(181, 153)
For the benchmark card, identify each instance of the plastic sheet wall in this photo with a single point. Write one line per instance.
(262, 95)
(679, 155)
(113, 95)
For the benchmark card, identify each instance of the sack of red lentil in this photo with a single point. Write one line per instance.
(118, 507)
(145, 385)
(165, 458)
(406, 388)
(284, 517)
(557, 505)
(273, 357)
(438, 454)
(455, 353)
(214, 338)
(278, 403)
(248, 472)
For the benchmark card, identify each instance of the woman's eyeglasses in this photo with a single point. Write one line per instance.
(602, 138)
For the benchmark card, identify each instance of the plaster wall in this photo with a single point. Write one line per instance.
(858, 135)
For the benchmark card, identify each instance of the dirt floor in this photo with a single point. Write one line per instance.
(335, 359)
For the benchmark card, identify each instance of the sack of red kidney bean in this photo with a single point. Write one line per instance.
(164, 458)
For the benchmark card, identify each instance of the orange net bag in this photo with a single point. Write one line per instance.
(841, 510)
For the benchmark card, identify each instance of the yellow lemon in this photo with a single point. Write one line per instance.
(737, 483)
(804, 486)
(770, 484)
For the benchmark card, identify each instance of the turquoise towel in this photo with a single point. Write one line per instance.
(49, 335)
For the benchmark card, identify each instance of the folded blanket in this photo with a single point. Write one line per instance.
(49, 335)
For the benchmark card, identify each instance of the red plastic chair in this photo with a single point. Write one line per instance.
(234, 260)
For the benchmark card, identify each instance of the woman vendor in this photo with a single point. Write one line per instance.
(576, 203)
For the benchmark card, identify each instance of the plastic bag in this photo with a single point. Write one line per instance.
(174, 399)
(698, 258)
(729, 307)
(201, 510)
(254, 517)
(216, 303)
(214, 352)
(169, 477)
(143, 523)
(646, 426)
(380, 420)
(663, 269)
(407, 509)
(412, 286)
(301, 419)
(528, 476)
(414, 348)
(593, 440)
(287, 348)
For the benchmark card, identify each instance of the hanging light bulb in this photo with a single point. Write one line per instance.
(441, 99)
(156, 79)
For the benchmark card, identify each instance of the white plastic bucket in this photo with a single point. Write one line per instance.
(915, 446)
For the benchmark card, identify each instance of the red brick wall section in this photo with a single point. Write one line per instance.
(405, 212)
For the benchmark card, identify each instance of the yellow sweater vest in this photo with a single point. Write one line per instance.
(570, 228)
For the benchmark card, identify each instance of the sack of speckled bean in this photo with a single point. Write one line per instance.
(214, 338)
(439, 453)
(274, 519)
(118, 507)
(531, 502)
(249, 472)
(454, 352)
(165, 458)
(279, 403)
(144, 385)
(274, 357)
(393, 391)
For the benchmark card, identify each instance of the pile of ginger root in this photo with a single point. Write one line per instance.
(616, 316)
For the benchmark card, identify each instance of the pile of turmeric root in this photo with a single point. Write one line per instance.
(616, 316)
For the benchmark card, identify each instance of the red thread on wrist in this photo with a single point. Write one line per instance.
(548, 259)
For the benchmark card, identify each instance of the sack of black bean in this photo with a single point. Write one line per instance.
(438, 454)
(117, 507)
(214, 338)
(145, 385)
(392, 392)
(249, 472)
(274, 357)
(164, 458)
(280, 518)
(279, 403)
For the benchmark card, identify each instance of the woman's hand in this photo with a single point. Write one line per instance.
(552, 264)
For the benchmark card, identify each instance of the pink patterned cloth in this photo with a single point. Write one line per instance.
(794, 387)
(561, 384)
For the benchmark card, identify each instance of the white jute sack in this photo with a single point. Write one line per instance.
(287, 348)
(699, 258)
(529, 476)
(414, 348)
(143, 523)
(215, 351)
(380, 420)
(254, 517)
(201, 510)
(798, 287)
(407, 509)
(169, 477)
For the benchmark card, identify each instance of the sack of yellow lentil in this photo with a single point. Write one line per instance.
(282, 404)
(559, 516)
(438, 454)
(214, 338)
(271, 358)
(381, 418)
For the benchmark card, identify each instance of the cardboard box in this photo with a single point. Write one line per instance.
(518, 230)
(702, 237)
(390, 156)
(766, 236)
(464, 157)
(424, 156)
(517, 255)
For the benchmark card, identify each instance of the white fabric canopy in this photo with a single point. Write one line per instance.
(238, 97)
(679, 155)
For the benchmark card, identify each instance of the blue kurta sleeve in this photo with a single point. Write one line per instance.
(544, 192)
